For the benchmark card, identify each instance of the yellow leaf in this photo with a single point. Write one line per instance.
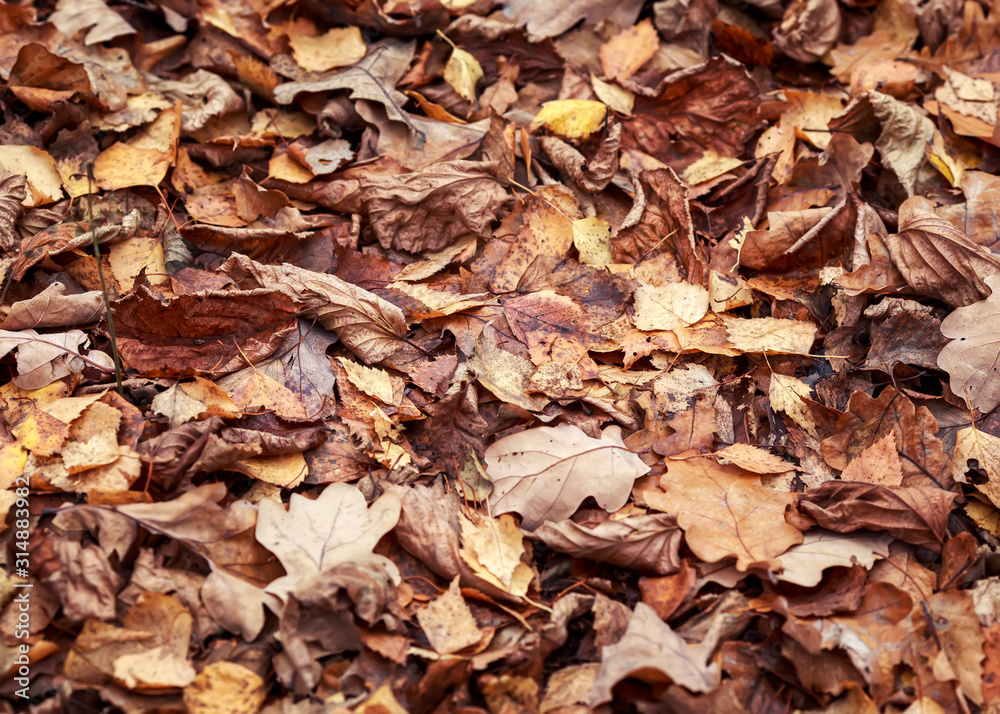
(129, 257)
(44, 182)
(340, 47)
(571, 118)
(225, 688)
(592, 238)
(144, 159)
(462, 72)
(621, 100)
(373, 382)
(286, 470)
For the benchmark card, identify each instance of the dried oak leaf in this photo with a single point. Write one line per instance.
(712, 105)
(313, 536)
(651, 651)
(369, 326)
(726, 512)
(916, 515)
(938, 260)
(647, 543)
(972, 355)
(545, 473)
(867, 420)
(213, 332)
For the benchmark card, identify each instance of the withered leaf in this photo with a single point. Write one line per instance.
(545, 473)
(211, 332)
(726, 512)
(652, 651)
(648, 543)
(712, 105)
(972, 355)
(371, 327)
(916, 515)
(938, 260)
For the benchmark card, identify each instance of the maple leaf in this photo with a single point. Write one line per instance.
(314, 536)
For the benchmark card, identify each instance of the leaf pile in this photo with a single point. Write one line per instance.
(500, 356)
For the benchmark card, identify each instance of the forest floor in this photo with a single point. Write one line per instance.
(472, 356)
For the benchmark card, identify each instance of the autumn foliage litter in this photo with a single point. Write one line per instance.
(500, 356)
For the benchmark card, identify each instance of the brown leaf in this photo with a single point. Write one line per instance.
(661, 243)
(647, 543)
(54, 308)
(808, 30)
(213, 332)
(13, 190)
(623, 54)
(971, 355)
(374, 78)
(370, 326)
(725, 512)
(866, 420)
(709, 106)
(874, 637)
(429, 527)
(653, 652)
(594, 170)
(448, 622)
(938, 260)
(917, 515)
(545, 473)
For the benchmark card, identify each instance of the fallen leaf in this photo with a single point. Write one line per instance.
(971, 355)
(803, 564)
(339, 47)
(630, 49)
(225, 687)
(462, 71)
(545, 473)
(143, 160)
(313, 536)
(915, 515)
(448, 622)
(648, 543)
(571, 118)
(653, 652)
(725, 512)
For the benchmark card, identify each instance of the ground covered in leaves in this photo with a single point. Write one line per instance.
(501, 357)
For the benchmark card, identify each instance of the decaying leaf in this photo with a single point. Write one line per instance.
(972, 355)
(725, 512)
(545, 473)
